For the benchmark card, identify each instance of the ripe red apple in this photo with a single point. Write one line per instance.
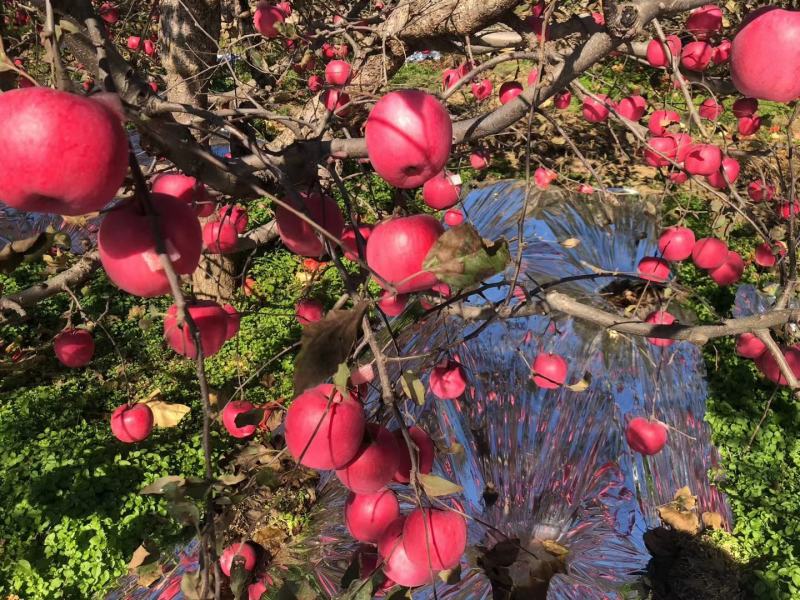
(787, 210)
(266, 17)
(408, 135)
(308, 310)
(128, 249)
(765, 56)
(392, 305)
(660, 317)
(374, 464)
(745, 107)
(704, 21)
(653, 268)
(236, 215)
(683, 142)
(658, 146)
(453, 217)
(764, 256)
(109, 13)
(368, 515)
(74, 347)
(449, 78)
(149, 47)
(244, 549)
(660, 121)
(479, 159)
(234, 321)
(562, 100)
(646, 437)
(696, 56)
(131, 424)
(435, 538)
(730, 167)
(748, 126)
(721, 53)
(298, 235)
(703, 159)
(220, 237)
(211, 321)
(351, 244)
(709, 253)
(655, 51)
(448, 380)
(767, 364)
(482, 90)
(596, 111)
(255, 591)
(711, 109)
(749, 346)
(632, 107)
(730, 271)
(285, 8)
(549, 371)
(324, 428)
(336, 101)
(425, 455)
(676, 243)
(509, 90)
(397, 248)
(544, 177)
(186, 189)
(396, 564)
(59, 153)
(233, 408)
(134, 42)
(678, 177)
(439, 192)
(315, 83)
(337, 72)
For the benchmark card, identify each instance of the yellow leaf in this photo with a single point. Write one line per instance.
(571, 243)
(139, 556)
(582, 385)
(554, 548)
(166, 414)
(712, 520)
(436, 486)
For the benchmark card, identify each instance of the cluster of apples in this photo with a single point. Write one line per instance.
(697, 53)
(749, 346)
(327, 429)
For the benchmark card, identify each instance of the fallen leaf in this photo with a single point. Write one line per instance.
(436, 486)
(166, 414)
(157, 487)
(571, 243)
(712, 520)
(582, 385)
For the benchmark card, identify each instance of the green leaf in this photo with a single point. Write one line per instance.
(451, 576)
(461, 258)
(341, 377)
(325, 345)
(412, 387)
(436, 486)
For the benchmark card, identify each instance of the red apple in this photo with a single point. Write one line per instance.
(439, 192)
(396, 564)
(244, 549)
(392, 305)
(449, 78)
(109, 13)
(255, 591)
(549, 371)
(646, 437)
(745, 107)
(749, 346)
(655, 51)
(730, 168)
(367, 516)
(234, 321)
(325, 428)
(425, 454)
(704, 21)
(658, 146)
(709, 253)
(632, 107)
(397, 248)
(336, 101)
(703, 159)
(337, 72)
(660, 317)
(315, 83)
(482, 90)
(220, 237)
(233, 408)
(764, 256)
(596, 111)
(211, 321)
(408, 136)
(59, 153)
(374, 464)
(479, 160)
(661, 120)
(711, 109)
(453, 217)
(74, 347)
(236, 215)
(435, 538)
(186, 189)
(134, 42)
(683, 142)
(447, 380)
(298, 235)
(308, 311)
(131, 424)
(678, 177)
(765, 56)
(696, 56)
(265, 19)
(362, 375)
(149, 47)
(544, 177)
(676, 243)
(721, 54)
(653, 268)
(748, 126)
(788, 210)
(730, 271)
(351, 244)
(285, 8)
(509, 90)
(562, 100)
(767, 364)
(128, 248)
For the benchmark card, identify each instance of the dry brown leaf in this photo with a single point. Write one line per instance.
(679, 520)
(712, 520)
